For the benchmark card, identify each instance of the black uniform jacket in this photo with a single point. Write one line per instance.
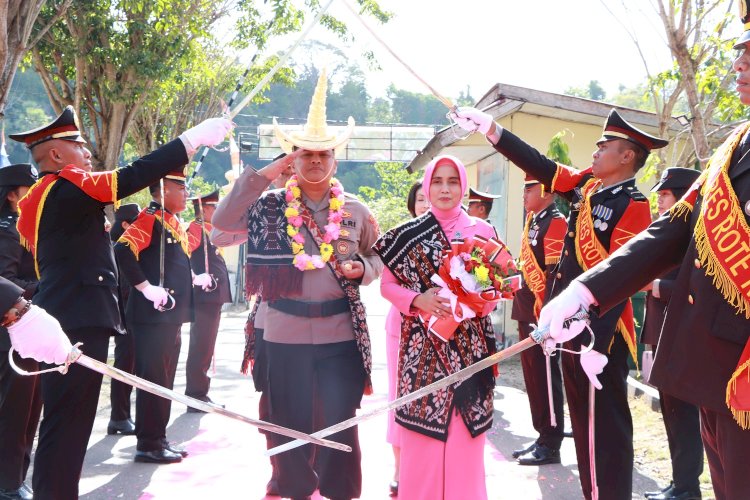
(78, 283)
(656, 308)
(621, 204)
(16, 264)
(216, 266)
(9, 294)
(177, 276)
(703, 336)
(523, 301)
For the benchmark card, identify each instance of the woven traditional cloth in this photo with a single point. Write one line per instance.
(413, 252)
(270, 272)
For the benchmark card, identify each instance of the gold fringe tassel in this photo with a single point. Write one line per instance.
(716, 272)
(681, 210)
(742, 417)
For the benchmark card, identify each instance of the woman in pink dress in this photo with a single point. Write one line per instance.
(417, 204)
(443, 434)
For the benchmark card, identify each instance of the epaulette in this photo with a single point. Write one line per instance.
(635, 194)
(8, 221)
(352, 196)
(151, 210)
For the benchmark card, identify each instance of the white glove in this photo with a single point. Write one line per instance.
(562, 307)
(208, 132)
(203, 280)
(155, 294)
(471, 119)
(39, 336)
(593, 363)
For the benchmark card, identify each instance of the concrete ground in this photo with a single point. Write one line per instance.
(226, 456)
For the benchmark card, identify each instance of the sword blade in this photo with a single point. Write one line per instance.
(162, 245)
(435, 386)
(163, 392)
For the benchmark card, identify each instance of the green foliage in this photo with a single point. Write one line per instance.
(650, 171)
(593, 90)
(559, 151)
(388, 202)
(411, 107)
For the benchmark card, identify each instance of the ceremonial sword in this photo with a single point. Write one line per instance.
(249, 97)
(204, 238)
(162, 249)
(76, 356)
(538, 336)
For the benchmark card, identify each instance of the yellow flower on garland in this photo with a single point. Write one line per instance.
(296, 192)
(326, 250)
(297, 248)
(291, 212)
(291, 230)
(335, 204)
(482, 274)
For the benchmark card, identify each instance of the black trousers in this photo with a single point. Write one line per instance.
(119, 395)
(726, 445)
(20, 408)
(203, 333)
(533, 363)
(614, 425)
(70, 402)
(157, 349)
(683, 426)
(311, 387)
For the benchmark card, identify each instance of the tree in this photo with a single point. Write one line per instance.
(592, 91)
(17, 18)
(694, 35)
(559, 151)
(388, 203)
(108, 57)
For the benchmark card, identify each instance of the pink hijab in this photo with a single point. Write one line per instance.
(447, 218)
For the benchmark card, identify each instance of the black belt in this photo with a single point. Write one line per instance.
(311, 309)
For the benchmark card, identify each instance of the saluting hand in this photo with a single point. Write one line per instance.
(283, 165)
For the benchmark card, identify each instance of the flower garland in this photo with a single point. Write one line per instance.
(302, 261)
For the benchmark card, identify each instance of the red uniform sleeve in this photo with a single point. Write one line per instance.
(137, 236)
(636, 218)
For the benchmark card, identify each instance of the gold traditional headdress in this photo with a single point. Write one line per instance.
(315, 136)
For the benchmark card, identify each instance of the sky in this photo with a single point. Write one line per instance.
(541, 44)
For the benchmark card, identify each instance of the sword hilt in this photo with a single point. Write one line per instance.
(541, 334)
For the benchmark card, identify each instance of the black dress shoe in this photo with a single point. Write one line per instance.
(393, 489)
(205, 399)
(672, 493)
(540, 455)
(523, 451)
(17, 494)
(125, 427)
(162, 456)
(650, 494)
(174, 448)
(26, 492)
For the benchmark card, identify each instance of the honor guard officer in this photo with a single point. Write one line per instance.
(20, 396)
(607, 210)
(204, 258)
(704, 348)
(309, 250)
(541, 247)
(480, 204)
(62, 224)
(119, 395)
(681, 419)
(154, 256)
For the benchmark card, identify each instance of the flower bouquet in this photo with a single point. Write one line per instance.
(475, 274)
